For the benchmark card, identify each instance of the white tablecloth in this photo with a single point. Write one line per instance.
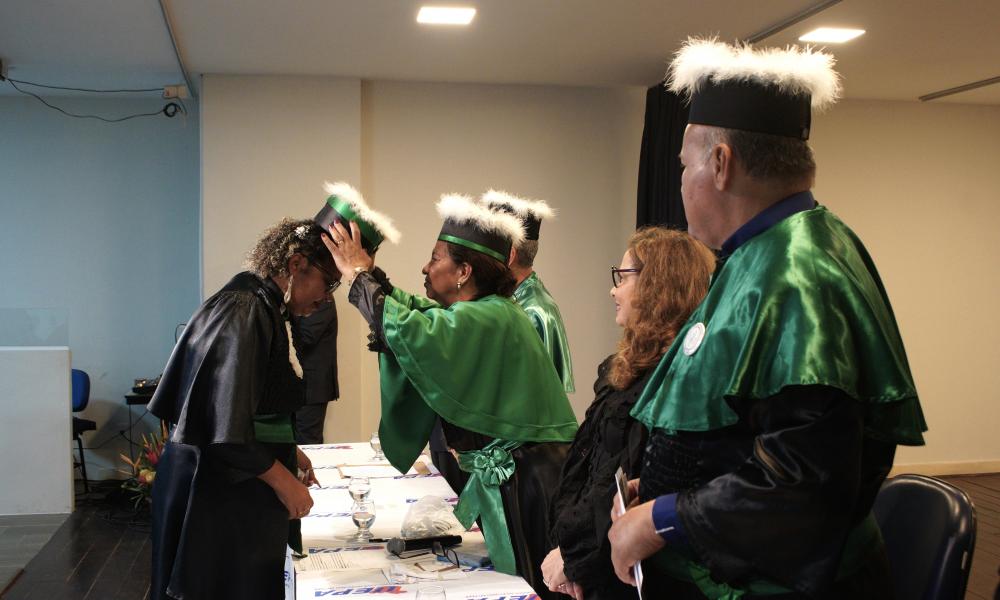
(362, 570)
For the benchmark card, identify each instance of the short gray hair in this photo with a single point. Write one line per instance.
(765, 156)
(526, 252)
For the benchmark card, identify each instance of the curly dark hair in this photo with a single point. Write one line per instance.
(491, 276)
(279, 242)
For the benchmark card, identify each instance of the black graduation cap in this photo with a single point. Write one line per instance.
(767, 90)
(478, 228)
(345, 204)
(530, 212)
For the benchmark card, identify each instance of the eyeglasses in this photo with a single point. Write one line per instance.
(616, 275)
(332, 283)
(448, 554)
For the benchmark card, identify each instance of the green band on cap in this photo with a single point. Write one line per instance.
(444, 237)
(345, 210)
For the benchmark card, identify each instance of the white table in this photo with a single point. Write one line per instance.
(361, 570)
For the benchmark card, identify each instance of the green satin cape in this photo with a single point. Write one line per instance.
(799, 304)
(536, 300)
(477, 364)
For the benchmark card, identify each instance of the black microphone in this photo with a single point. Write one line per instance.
(398, 546)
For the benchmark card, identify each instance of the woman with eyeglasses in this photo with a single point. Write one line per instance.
(663, 276)
(226, 484)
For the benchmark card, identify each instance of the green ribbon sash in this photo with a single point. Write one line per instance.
(489, 468)
(444, 237)
(274, 429)
(347, 211)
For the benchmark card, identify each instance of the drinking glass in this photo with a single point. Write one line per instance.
(376, 446)
(359, 488)
(431, 592)
(363, 514)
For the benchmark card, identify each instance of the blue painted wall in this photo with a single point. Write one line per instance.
(100, 222)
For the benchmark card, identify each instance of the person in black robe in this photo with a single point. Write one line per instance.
(316, 342)
(226, 488)
(663, 276)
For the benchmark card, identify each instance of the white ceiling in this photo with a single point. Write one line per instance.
(913, 47)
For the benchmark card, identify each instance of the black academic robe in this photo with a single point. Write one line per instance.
(315, 338)
(580, 514)
(218, 530)
(801, 462)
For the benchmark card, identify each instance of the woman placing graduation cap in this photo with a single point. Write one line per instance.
(468, 354)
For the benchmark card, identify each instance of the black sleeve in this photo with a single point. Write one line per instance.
(785, 513)
(309, 331)
(580, 510)
(212, 385)
(368, 294)
(583, 536)
(574, 470)
(239, 462)
(586, 552)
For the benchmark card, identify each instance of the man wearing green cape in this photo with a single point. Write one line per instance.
(467, 354)
(775, 415)
(531, 294)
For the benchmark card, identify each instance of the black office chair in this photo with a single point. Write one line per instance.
(81, 396)
(929, 528)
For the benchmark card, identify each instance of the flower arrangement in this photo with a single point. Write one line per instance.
(143, 467)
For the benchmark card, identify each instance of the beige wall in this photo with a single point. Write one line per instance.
(267, 145)
(920, 184)
(575, 147)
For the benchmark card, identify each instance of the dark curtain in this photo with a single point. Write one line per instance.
(659, 197)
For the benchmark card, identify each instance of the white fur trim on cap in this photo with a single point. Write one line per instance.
(461, 209)
(522, 207)
(793, 69)
(380, 222)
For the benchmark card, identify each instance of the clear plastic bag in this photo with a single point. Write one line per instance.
(428, 517)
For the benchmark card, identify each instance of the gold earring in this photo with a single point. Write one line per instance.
(460, 286)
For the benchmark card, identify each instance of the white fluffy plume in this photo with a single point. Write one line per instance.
(461, 209)
(522, 207)
(793, 69)
(380, 222)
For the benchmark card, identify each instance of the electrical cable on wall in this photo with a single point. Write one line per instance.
(169, 110)
(76, 89)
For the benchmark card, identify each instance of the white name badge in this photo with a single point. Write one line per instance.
(693, 339)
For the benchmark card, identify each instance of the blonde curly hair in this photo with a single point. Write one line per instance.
(278, 243)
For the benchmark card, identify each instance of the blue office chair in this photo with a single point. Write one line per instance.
(929, 528)
(81, 396)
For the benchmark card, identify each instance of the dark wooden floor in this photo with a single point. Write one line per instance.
(21, 538)
(985, 493)
(92, 557)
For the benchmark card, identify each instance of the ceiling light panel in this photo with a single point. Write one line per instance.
(445, 15)
(831, 35)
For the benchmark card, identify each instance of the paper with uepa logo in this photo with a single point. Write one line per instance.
(622, 500)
